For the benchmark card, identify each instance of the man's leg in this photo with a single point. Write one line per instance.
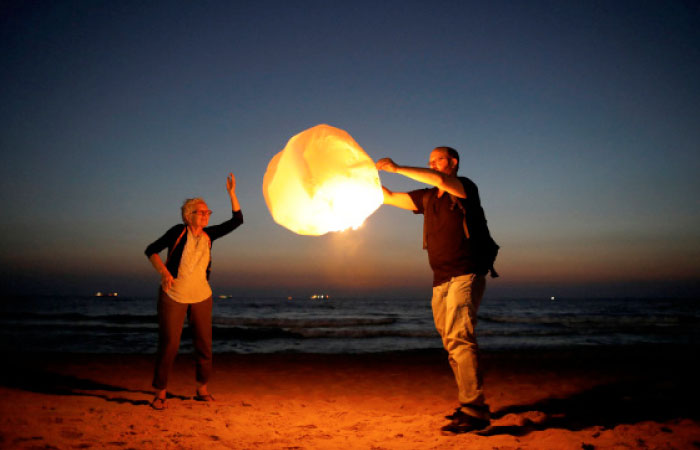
(455, 306)
(439, 306)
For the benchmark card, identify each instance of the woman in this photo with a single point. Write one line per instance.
(184, 289)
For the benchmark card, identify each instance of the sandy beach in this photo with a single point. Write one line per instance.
(611, 398)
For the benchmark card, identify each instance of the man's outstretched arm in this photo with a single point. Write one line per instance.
(442, 181)
(399, 199)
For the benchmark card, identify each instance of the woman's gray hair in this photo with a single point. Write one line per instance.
(189, 206)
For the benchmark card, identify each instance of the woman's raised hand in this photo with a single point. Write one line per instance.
(231, 184)
(231, 187)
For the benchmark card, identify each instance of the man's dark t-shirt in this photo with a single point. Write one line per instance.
(450, 253)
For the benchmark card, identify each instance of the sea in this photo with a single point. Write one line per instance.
(118, 324)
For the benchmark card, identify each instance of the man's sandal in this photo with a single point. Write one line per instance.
(204, 398)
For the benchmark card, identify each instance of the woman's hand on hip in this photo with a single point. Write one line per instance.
(166, 281)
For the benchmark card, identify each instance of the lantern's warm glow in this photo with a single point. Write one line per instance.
(321, 181)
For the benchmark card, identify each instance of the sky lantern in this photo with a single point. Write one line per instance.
(321, 181)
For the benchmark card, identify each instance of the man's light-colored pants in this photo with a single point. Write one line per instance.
(455, 304)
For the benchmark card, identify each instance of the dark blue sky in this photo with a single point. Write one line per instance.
(579, 121)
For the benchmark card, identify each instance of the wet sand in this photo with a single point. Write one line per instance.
(574, 399)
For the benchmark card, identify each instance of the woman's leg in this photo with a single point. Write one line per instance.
(200, 325)
(171, 316)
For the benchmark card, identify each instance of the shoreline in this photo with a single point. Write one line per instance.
(550, 399)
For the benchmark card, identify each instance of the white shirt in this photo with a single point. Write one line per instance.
(191, 285)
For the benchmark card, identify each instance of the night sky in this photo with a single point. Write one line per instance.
(579, 122)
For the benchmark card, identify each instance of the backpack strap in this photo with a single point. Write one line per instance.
(456, 202)
(489, 243)
(208, 238)
(184, 230)
(426, 196)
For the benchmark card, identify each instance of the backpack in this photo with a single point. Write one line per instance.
(486, 247)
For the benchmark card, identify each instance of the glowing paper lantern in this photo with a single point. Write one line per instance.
(321, 181)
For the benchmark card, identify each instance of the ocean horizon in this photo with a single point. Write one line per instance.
(258, 325)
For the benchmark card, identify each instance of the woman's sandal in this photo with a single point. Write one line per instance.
(159, 404)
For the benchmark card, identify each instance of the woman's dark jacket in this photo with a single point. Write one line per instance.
(170, 238)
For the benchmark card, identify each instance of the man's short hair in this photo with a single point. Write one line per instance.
(452, 153)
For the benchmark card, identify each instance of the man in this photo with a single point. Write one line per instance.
(457, 240)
